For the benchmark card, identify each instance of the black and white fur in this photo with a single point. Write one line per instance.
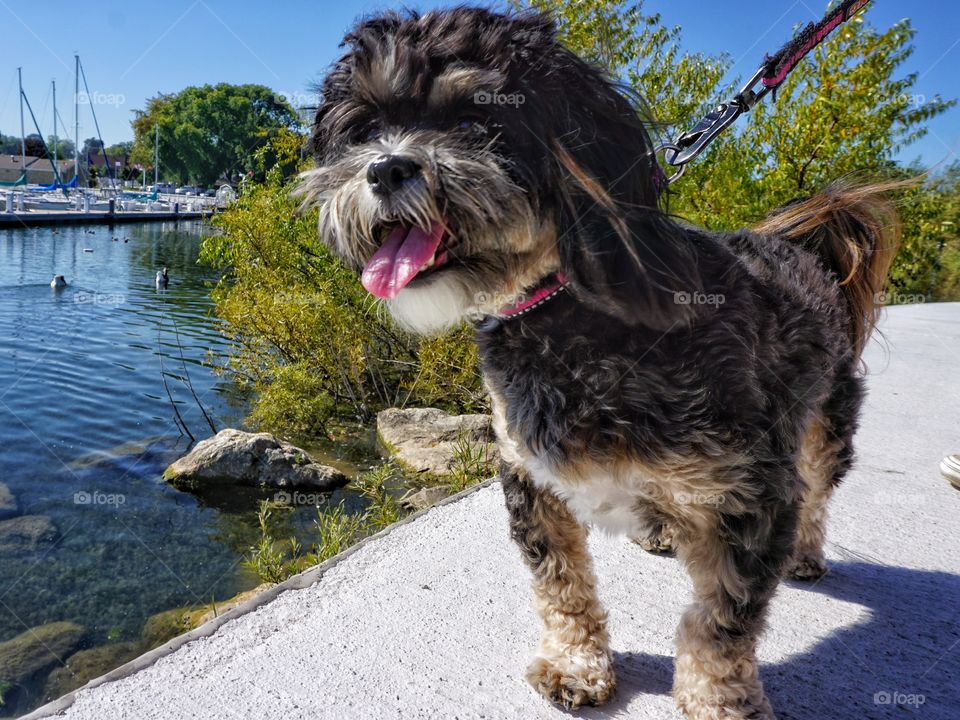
(694, 390)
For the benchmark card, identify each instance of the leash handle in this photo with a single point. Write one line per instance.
(771, 74)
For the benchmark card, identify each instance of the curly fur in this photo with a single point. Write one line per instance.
(697, 387)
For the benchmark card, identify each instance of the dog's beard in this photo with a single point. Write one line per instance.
(487, 222)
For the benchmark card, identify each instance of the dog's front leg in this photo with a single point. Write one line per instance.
(573, 666)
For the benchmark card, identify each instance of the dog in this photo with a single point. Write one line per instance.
(694, 390)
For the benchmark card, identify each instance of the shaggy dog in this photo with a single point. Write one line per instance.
(695, 390)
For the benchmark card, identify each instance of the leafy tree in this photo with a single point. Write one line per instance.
(35, 146)
(842, 112)
(210, 132)
(65, 147)
(91, 147)
(121, 149)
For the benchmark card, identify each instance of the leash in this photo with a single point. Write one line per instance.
(771, 75)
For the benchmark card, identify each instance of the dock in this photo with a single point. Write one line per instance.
(96, 217)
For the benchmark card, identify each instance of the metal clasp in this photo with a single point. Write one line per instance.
(690, 144)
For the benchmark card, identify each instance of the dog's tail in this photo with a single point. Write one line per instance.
(855, 231)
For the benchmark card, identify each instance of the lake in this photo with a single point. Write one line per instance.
(87, 428)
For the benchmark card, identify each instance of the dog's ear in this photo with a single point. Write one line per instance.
(623, 254)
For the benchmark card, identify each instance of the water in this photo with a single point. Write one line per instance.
(86, 429)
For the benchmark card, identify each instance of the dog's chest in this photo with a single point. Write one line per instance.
(606, 499)
(599, 499)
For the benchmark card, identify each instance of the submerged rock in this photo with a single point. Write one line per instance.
(424, 497)
(425, 440)
(27, 532)
(256, 459)
(37, 650)
(8, 503)
(168, 624)
(85, 665)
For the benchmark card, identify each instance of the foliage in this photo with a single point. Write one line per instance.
(842, 112)
(210, 132)
(315, 346)
(471, 464)
(309, 339)
(278, 554)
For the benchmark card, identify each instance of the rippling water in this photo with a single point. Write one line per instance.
(86, 428)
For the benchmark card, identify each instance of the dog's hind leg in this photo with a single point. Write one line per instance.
(735, 559)
(573, 666)
(825, 456)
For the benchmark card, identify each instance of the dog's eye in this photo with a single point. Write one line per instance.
(471, 123)
(366, 134)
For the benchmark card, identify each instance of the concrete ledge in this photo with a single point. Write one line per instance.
(433, 617)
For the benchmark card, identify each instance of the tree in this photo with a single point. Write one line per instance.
(65, 147)
(122, 148)
(35, 146)
(91, 148)
(210, 132)
(842, 112)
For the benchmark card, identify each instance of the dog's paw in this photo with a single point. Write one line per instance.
(808, 566)
(660, 542)
(574, 679)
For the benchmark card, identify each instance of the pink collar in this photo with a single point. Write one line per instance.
(554, 285)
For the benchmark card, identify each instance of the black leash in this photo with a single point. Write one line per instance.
(772, 73)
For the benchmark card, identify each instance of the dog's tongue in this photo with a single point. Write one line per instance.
(399, 260)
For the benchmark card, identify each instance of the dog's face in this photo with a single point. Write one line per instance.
(464, 155)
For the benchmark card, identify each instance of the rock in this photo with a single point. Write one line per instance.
(168, 624)
(8, 503)
(85, 665)
(424, 498)
(256, 459)
(27, 532)
(37, 650)
(425, 439)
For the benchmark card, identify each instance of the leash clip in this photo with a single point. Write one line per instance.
(691, 144)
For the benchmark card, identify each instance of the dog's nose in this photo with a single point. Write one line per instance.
(388, 173)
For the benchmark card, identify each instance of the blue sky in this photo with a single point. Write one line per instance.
(134, 50)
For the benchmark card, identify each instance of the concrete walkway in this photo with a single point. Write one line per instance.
(433, 619)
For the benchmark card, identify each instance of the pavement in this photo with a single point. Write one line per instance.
(433, 618)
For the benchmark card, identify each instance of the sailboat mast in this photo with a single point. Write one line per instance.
(23, 134)
(54, 83)
(76, 118)
(156, 156)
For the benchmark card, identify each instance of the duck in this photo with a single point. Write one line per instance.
(59, 282)
(163, 278)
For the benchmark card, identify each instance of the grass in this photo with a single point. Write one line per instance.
(279, 555)
(471, 464)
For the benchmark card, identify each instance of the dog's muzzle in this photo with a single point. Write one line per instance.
(388, 173)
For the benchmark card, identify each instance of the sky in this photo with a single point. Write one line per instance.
(132, 51)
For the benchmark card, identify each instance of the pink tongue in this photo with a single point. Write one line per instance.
(399, 260)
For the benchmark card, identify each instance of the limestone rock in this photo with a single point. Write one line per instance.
(425, 439)
(255, 459)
